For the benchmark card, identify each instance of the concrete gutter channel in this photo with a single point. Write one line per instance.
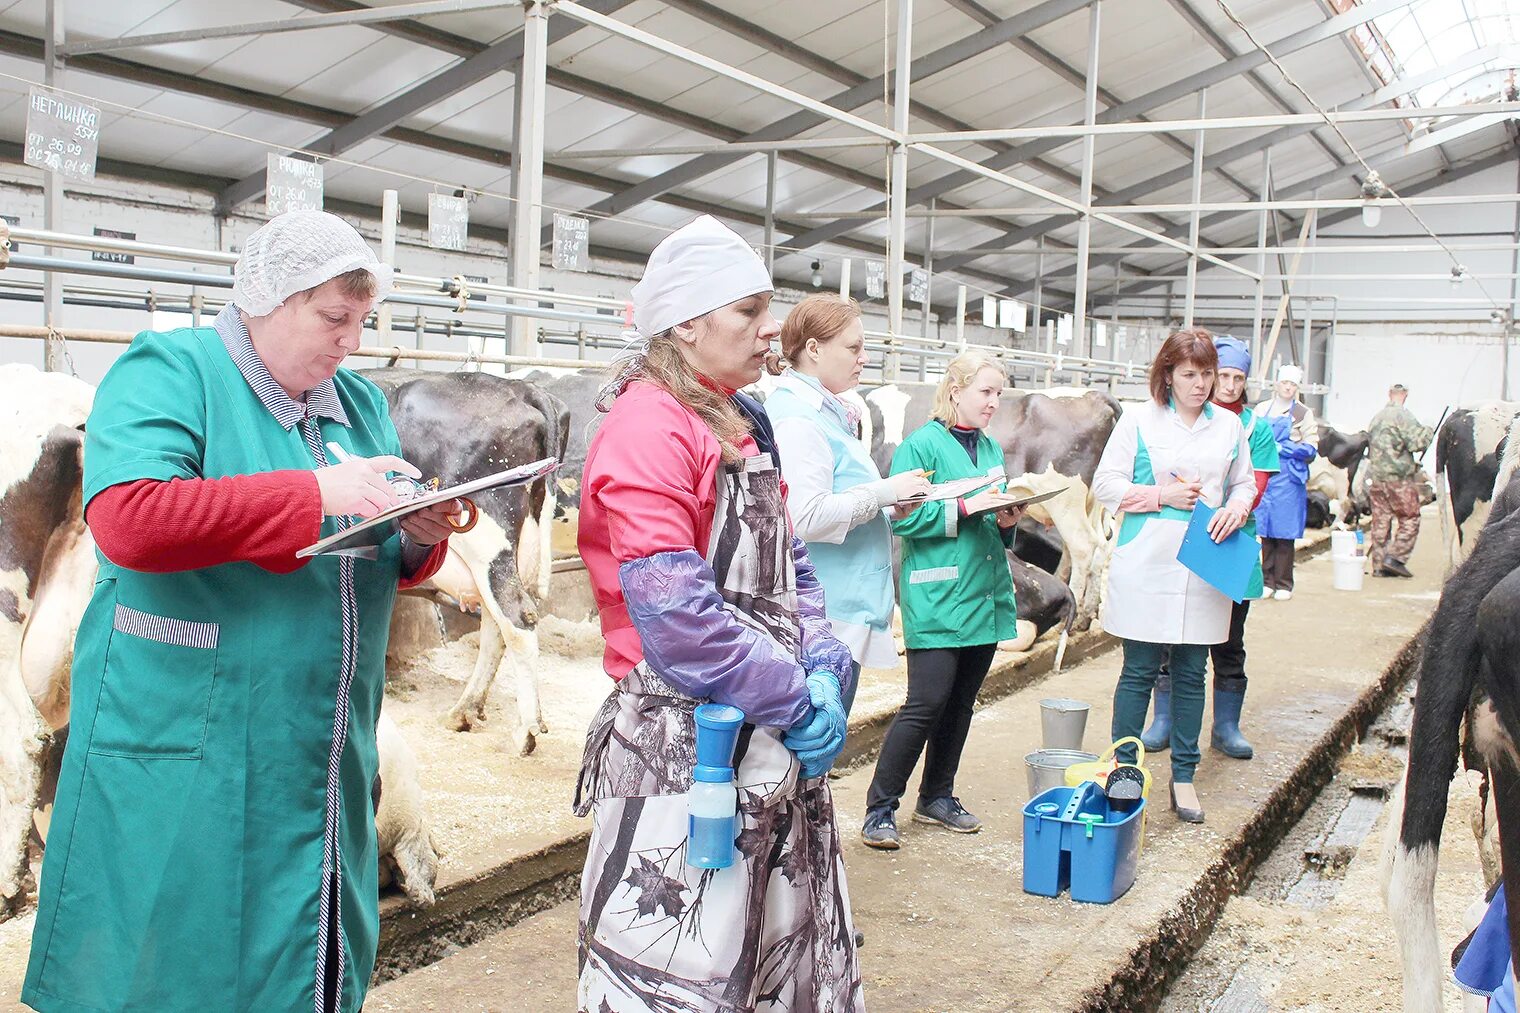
(478, 906)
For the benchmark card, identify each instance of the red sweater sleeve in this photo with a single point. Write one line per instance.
(431, 565)
(1262, 478)
(185, 524)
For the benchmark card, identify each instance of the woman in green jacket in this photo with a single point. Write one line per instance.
(957, 600)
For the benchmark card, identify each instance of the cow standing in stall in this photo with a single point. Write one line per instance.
(463, 426)
(1333, 473)
(1469, 689)
(1470, 444)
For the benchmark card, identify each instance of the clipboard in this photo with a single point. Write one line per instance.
(1226, 566)
(354, 539)
(953, 489)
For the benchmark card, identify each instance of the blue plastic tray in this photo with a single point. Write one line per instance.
(1096, 861)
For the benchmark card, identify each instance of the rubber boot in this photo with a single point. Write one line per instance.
(1158, 736)
(1226, 737)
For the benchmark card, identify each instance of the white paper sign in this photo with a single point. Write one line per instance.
(918, 286)
(989, 311)
(292, 184)
(572, 243)
(61, 135)
(1100, 334)
(1063, 329)
(876, 279)
(1012, 315)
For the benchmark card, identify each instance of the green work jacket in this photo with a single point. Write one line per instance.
(1264, 457)
(221, 742)
(955, 587)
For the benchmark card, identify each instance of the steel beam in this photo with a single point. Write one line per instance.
(274, 26)
(896, 234)
(527, 213)
(1089, 143)
(1261, 257)
(52, 190)
(1192, 263)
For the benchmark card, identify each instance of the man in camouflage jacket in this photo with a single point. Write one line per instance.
(1393, 483)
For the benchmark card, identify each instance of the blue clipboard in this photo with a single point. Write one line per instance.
(1226, 566)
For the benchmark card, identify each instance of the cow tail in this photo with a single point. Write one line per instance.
(557, 438)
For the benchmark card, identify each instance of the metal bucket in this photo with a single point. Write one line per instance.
(1046, 768)
(1062, 723)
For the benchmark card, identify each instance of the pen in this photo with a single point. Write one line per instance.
(342, 455)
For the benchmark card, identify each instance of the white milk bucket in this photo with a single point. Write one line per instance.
(1348, 572)
(1342, 543)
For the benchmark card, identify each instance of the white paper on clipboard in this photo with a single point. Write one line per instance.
(378, 527)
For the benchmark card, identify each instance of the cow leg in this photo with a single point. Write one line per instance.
(1068, 512)
(22, 740)
(1497, 729)
(470, 708)
(407, 854)
(522, 652)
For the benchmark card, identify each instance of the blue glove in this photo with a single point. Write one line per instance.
(819, 737)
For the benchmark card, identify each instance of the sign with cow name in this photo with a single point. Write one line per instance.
(113, 258)
(1100, 334)
(292, 184)
(448, 221)
(1063, 329)
(918, 286)
(876, 279)
(572, 243)
(62, 135)
(989, 311)
(1011, 315)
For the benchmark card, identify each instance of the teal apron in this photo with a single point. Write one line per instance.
(213, 824)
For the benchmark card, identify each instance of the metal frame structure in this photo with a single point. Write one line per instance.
(524, 53)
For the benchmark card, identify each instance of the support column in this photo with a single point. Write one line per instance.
(1261, 262)
(1514, 303)
(960, 317)
(770, 213)
(389, 205)
(898, 204)
(1039, 296)
(928, 269)
(1192, 267)
(527, 217)
(52, 194)
(1089, 146)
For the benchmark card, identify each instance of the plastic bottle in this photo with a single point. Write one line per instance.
(712, 801)
(1361, 548)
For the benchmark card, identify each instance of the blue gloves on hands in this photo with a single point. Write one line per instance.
(819, 737)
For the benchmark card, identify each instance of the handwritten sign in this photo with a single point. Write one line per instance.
(62, 135)
(572, 243)
(1063, 329)
(1011, 314)
(448, 221)
(113, 258)
(292, 184)
(1100, 334)
(918, 286)
(876, 279)
(989, 311)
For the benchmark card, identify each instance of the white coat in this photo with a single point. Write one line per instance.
(1152, 597)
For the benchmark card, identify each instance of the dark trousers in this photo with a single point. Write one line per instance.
(1229, 657)
(942, 688)
(1277, 563)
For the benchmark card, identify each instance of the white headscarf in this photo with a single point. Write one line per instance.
(1291, 373)
(696, 269)
(297, 251)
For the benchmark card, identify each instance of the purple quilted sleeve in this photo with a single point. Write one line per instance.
(821, 650)
(696, 642)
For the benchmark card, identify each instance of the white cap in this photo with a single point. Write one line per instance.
(297, 251)
(696, 269)
(1291, 373)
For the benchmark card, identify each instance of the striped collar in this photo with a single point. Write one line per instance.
(321, 401)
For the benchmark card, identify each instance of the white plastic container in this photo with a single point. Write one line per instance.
(711, 808)
(1342, 543)
(1348, 572)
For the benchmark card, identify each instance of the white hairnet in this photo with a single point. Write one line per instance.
(297, 251)
(696, 269)
(1291, 373)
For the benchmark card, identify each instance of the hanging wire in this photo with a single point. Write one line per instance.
(1458, 268)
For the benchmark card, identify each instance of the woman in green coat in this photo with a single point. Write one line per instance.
(213, 841)
(957, 600)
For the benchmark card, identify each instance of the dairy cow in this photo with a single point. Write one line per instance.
(1469, 447)
(464, 426)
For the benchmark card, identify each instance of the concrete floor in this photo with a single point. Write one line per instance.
(947, 925)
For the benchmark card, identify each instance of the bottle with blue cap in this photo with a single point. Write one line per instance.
(712, 803)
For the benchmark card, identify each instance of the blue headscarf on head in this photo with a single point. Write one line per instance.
(1233, 353)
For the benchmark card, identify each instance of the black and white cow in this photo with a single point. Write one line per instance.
(462, 426)
(47, 572)
(1469, 447)
(1469, 689)
(1334, 471)
(1051, 439)
(578, 389)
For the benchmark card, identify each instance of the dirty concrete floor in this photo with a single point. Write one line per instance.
(947, 926)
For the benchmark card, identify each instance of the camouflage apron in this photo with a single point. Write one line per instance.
(771, 933)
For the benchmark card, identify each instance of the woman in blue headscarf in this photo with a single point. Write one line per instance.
(1284, 506)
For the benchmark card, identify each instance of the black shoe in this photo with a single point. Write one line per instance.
(1394, 568)
(880, 830)
(948, 813)
(1187, 813)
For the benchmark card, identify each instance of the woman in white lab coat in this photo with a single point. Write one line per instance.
(1164, 457)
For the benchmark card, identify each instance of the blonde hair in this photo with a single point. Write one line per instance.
(820, 317)
(961, 371)
(661, 363)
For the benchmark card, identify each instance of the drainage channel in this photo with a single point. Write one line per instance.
(1232, 971)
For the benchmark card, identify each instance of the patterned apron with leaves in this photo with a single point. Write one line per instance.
(771, 933)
